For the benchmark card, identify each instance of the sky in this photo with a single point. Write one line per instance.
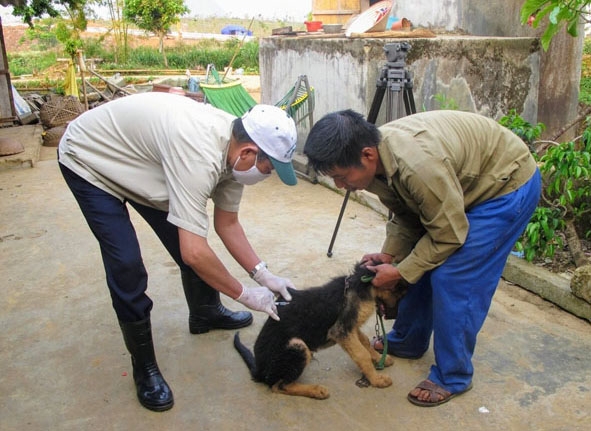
(295, 10)
(287, 10)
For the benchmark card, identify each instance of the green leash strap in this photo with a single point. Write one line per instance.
(380, 365)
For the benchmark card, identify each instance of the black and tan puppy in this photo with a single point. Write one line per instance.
(316, 318)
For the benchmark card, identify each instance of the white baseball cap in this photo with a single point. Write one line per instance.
(274, 131)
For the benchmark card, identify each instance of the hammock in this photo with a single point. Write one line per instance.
(224, 94)
(232, 97)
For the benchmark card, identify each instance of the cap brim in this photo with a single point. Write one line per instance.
(285, 171)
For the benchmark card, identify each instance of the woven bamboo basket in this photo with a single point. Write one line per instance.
(60, 110)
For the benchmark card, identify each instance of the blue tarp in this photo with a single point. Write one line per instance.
(236, 30)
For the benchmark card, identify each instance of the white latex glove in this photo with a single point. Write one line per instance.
(259, 299)
(279, 285)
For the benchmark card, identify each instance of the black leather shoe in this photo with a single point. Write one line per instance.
(208, 317)
(206, 311)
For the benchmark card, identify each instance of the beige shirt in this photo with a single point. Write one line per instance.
(438, 165)
(161, 150)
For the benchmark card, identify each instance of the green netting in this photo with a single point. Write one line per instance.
(295, 104)
(231, 97)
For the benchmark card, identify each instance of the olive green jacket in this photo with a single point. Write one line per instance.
(438, 165)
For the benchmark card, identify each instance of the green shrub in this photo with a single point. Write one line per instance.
(566, 191)
(541, 238)
(585, 90)
(42, 36)
(587, 45)
(185, 56)
(526, 131)
(94, 48)
(30, 62)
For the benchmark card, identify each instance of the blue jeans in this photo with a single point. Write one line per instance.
(452, 300)
(109, 221)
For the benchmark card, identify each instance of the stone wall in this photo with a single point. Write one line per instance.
(560, 66)
(480, 74)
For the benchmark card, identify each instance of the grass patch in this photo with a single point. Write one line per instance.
(30, 62)
(585, 85)
(184, 54)
(585, 90)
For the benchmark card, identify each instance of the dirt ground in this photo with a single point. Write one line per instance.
(15, 40)
(63, 363)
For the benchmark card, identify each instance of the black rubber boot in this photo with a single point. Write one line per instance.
(205, 308)
(152, 390)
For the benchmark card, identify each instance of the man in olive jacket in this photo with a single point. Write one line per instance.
(461, 189)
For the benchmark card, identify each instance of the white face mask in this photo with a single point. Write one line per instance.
(250, 176)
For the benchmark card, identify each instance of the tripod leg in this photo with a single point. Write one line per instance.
(409, 102)
(376, 104)
(371, 117)
(336, 228)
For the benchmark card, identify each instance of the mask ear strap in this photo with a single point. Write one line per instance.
(240, 156)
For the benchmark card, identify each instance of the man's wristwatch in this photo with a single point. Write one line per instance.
(257, 268)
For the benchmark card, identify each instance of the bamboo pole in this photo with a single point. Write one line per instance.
(82, 68)
(109, 83)
(103, 95)
(237, 50)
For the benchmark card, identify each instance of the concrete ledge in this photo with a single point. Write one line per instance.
(550, 286)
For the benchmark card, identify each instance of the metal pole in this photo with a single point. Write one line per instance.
(336, 228)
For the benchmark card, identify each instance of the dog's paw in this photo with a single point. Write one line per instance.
(319, 392)
(381, 381)
(388, 362)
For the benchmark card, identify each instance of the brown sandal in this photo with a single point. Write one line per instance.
(437, 395)
(377, 343)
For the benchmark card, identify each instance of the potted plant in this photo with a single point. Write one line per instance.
(311, 24)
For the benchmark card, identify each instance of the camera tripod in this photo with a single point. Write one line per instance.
(396, 79)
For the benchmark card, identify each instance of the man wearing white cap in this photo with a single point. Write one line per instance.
(166, 155)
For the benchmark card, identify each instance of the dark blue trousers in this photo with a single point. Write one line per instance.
(452, 300)
(109, 221)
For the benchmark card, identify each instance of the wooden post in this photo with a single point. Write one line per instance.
(82, 69)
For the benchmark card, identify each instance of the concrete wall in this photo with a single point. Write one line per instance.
(476, 17)
(483, 59)
(485, 75)
(560, 66)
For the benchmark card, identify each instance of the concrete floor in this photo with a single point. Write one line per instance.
(63, 364)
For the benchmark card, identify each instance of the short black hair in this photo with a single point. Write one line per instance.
(241, 137)
(337, 139)
(239, 132)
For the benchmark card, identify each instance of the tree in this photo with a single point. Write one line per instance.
(558, 13)
(29, 9)
(119, 27)
(571, 13)
(68, 30)
(156, 17)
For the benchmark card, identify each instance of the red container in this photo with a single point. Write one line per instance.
(313, 25)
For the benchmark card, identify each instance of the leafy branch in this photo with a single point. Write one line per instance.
(555, 14)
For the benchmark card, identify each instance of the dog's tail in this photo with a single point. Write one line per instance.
(245, 353)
